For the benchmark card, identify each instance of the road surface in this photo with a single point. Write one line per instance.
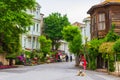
(52, 71)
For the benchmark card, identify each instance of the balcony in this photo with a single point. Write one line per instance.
(33, 33)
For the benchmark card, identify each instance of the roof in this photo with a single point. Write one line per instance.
(78, 24)
(112, 1)
(105, 3)
(86, 19)
(38, 5)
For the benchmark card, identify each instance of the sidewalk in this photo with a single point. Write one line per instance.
(111, 73)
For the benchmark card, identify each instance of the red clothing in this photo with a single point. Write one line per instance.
(84, 62)
(56, 56)
(83, 58)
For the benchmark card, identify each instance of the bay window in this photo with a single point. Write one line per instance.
(101, 21)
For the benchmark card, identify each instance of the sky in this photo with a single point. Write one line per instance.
(76, 10)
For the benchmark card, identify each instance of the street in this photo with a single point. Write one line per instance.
(52, 71)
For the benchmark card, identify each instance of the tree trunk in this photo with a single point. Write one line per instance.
(88, 61)
(10, 62)
(77, 60)
(108, 65)
(1, 40)
(52, 45)
(104, 64)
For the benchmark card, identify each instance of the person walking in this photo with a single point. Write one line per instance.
(70, 58)
(66, 58)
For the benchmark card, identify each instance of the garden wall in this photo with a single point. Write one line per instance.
(117, 66)
(3, 60)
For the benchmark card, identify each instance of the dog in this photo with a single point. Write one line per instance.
(81, 73)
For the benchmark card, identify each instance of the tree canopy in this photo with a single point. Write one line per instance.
(45, 44)
(116, 46)
(94, 46)
(13, 14)
(106, 47)
(53, 25)
(76, 45)
(73, 35)
(112, 36)
(70, 32)
(13, 22)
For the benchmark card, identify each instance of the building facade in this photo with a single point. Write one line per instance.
(41, 23)
(86, 30)
(81, 26)
(30, 39)
(103, 15)
(64, 47)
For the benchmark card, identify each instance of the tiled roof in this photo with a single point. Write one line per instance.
(110, 1)
(78, 24)
(105, 3)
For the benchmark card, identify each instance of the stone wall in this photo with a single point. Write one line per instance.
(3, 60)
(117, 64)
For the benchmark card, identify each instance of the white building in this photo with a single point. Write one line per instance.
(86, 30)
(81, 26)
(30, 39)
(64, 47)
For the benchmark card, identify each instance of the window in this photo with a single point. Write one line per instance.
(93, 23)
(29, 28)
(29, 40)
(37, 27)
(101, 22)
(24, 42)
(34, 27)
(37, 12)
(37, 43)
(30, 11)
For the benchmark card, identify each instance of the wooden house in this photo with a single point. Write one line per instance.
(103, 15)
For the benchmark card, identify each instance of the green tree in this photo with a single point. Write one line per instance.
(93, 50)
(70, 32)
(73, 35)
(13, 22)
(53, 25)
(75, 47)
(45, 45)
(112, 36)
(107, 51)
(76, 44)
(106, 47)
(116, 48)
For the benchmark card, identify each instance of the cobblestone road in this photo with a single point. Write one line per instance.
(54, 71)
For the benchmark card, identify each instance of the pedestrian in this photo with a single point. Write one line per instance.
(70, 58)
(66, 58)
(56, 57)
(59, 60)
